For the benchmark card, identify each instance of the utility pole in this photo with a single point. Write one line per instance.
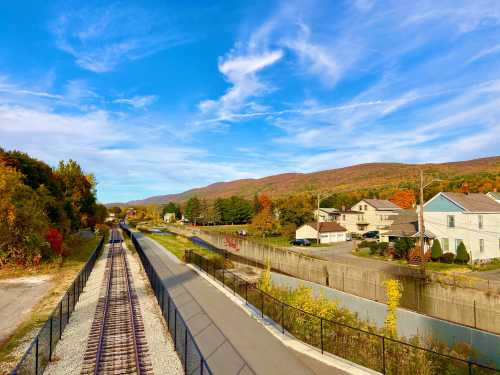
(421, 228)
(317, 224)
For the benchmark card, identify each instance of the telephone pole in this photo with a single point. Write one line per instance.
(317, 224)
(421, 227)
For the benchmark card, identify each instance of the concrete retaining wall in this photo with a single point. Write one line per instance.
(468, 301)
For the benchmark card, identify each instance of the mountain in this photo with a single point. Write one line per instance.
(357, 177)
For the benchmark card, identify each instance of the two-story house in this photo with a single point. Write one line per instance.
(473, 219)
(368, 215)
(326, 214)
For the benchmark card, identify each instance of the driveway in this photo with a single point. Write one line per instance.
(17, 299)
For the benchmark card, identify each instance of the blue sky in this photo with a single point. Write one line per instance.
(157, 97)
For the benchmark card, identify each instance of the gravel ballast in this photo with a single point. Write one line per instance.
(68, 356)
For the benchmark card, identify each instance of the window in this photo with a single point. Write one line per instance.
(458, 241)
(481, 245)
(451, 221)
(480, 221)
(446, 244)
(366, 207)
(361, 207)
(343, 217)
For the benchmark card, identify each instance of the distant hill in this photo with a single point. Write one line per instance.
(347, 179)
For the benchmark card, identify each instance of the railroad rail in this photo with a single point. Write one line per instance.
(117, 343)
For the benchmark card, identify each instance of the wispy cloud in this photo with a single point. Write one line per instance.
(101, 38)
(138, 101)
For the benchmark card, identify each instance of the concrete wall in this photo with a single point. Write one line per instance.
(469, 301)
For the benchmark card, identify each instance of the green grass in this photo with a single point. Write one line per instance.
(436, 266)
(178, 245)
(66, 271)
(493, 265)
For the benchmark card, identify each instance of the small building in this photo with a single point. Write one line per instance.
(471, 218)
(405, 225)
(368, 215)
(494, 195)
(169, 217)
(329, 232)
(326, 214)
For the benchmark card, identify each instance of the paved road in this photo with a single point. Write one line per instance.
(17, 298)
(232, 341)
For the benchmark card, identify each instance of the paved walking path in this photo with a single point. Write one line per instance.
(231, 341)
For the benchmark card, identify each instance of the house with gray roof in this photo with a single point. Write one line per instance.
(368, 215)
(494, 195)
(471, 218)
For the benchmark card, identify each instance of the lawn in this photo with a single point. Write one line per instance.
(65, 272)
(177, 245)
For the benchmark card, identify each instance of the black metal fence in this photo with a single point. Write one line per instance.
(189, 353)
(40, 351)
(369, 349)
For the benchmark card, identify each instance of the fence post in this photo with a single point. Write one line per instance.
(282, 317)
(234, 284)
(223, 283)
(383, 355)
(67, 310)
(470, 368)
(50, 339)
(74, 295)
(60, 319)
(475, 322)
(246, 292)
(36, 356)
(201, 365)
(262, 303)
(175, 329)
(321, 333)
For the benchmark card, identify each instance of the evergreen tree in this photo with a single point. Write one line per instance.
(436, 251)
(462, 254)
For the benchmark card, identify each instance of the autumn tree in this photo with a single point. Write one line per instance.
(264, 223)
(403, 198)
(296, 209)
(23, 222)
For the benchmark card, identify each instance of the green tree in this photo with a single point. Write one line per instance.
(296, 209)
(436, 250)
(193, 210)
(403, 246)
(172, 208)
(462, 254)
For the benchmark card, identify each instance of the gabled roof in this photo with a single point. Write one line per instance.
(473, 202)
(327, 227)
(328, 210)
(382, 204)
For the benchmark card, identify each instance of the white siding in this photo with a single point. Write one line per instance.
(307, 232)
(467, 228)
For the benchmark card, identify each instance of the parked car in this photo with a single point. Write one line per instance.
(371, 234)
(301, 242)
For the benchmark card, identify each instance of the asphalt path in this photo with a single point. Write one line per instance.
(230, 340)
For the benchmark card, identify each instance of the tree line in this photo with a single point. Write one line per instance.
(40, 206)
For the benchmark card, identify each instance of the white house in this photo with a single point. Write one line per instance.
(368, 215)
(473, 219)
(329, 232)
(169, 217)
(494, 195)
(326, 214)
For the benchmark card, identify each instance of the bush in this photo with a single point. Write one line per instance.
(436, 251)
(462, 254)
(447, 258)
(364, 251)
(402, 247)
(382, 247)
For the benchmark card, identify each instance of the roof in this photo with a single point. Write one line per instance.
(382, 204)
(328, 226)
(328, 209)
(405, 224)
(473, 202)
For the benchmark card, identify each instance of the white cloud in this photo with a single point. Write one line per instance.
(100, 38)
(138, 101)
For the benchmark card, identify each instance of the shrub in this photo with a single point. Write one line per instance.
(447, 258)
(436, 250)
(402, 247)
(382, 247)
(462, 254)
(364, 251)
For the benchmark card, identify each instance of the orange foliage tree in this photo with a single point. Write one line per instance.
(403, 198)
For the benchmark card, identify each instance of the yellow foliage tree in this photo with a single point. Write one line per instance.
(394, 291)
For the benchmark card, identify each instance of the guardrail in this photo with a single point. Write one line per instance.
(40, 351)
(188, 351)
(369, 349)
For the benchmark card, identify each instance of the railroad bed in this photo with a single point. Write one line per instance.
(117, 343)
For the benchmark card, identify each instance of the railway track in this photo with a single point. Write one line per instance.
(117, 343)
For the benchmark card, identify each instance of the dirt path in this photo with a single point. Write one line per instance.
(17, 298)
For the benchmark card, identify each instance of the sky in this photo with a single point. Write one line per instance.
(157, 97)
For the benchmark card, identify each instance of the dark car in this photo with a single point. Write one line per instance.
(371, 234)
(301, 242)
